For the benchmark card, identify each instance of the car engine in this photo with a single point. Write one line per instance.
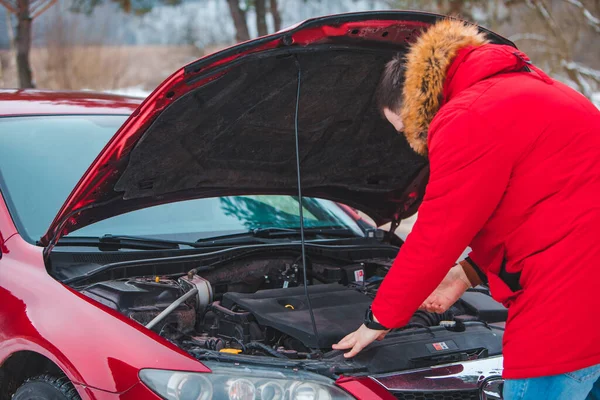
(259, 307)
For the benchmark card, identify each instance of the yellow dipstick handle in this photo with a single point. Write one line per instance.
(230, 351)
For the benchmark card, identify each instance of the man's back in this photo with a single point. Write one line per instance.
(515, 174)
(547, 222)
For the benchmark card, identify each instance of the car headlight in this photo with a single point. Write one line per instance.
(241, 383)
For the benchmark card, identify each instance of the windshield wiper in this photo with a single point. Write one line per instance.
(257, 236)
(116, 242)
(283, 233)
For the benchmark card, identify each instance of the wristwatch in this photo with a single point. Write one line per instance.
(370, 321)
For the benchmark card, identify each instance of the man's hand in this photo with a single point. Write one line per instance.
(448, 292)
(358, 340)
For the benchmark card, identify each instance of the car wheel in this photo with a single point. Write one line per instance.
(47, 387)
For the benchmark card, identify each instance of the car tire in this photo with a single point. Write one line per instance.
(46, 387)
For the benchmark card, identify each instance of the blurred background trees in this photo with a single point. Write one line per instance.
(132, 45)
(25, 12)
(560, 36)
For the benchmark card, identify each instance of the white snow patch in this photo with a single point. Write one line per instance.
(582, 69)
(479, 13)
(591, 19)
(134, 91)
(596, 99)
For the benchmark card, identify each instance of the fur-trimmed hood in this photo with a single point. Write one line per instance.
(427, 63)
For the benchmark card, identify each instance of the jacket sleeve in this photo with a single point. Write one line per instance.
(470, 166)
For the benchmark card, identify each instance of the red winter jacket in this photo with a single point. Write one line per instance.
(515, 174)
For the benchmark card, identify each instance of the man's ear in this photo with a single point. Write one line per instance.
(394, 118)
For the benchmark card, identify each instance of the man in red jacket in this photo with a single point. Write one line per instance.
(515, 175)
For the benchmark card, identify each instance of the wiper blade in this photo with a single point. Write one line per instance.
(315, 231)
(257, 236)
(286, 233)
(116, 242)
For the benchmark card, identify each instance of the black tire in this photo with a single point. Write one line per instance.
(46, 387)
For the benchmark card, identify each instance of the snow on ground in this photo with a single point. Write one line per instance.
(596, 99)
(135, 91)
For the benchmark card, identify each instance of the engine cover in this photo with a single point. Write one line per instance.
(337, 311)
(402, 350)
(142, 299)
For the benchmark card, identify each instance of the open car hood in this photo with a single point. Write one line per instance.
(224, 125)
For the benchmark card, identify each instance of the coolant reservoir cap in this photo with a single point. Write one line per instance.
(230, 351)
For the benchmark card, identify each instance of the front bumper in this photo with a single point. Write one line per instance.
(471, 380)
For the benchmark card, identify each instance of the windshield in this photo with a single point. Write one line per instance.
(42, 158)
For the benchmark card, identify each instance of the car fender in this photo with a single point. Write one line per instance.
(93, 344)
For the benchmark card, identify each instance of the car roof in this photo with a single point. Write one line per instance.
(47, 102)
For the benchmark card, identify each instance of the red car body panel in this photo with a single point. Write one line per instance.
(95, 352)
(42, 102)
(364, 388)
(7, 227)
(139, 391)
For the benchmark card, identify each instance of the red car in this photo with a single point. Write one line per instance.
(168, 260)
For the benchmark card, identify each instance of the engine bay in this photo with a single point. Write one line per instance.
(259, 307)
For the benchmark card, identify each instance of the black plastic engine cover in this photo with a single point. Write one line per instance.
(142, 299)
(484, 307)
(134, 294)
(410, 349)
(337, 310)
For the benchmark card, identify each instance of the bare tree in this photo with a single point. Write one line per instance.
(77, 56)
(261, 17)
(26, 11)
(576, 72)
(239, 21)
(556, 33)
(274, 9)
(239, 14)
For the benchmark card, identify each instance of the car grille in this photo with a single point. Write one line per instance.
(438, 395)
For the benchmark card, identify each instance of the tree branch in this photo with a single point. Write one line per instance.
(37, 13)
(275, 14)
(9, 6)
(593, 21)
(582, 69)
(528, 36)
(564, 49)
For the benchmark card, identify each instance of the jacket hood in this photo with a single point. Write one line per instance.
(225, 125)
(427, 65)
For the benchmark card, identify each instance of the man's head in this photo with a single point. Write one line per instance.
(389, 92)
(411, 88)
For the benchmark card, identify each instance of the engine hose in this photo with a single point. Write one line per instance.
(171, 307)
(211, 343)
(265, 348)
(215, 344)
(430, 319)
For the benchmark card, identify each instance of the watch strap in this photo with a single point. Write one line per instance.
(371, 324)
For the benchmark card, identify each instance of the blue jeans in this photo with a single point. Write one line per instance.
(583, 384)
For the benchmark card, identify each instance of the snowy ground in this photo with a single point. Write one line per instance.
(135, 91)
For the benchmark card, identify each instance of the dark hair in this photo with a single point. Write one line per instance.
(391, 83)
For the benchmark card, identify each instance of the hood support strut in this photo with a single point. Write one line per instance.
(300, 207)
